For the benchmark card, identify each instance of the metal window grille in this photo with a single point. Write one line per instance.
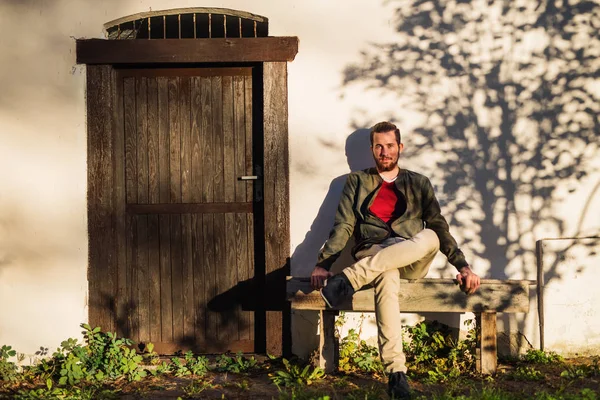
(188, 23)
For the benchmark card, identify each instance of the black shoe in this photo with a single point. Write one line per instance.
(337, 291)
(398, 386)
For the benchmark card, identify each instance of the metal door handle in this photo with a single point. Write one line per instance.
(248, 178)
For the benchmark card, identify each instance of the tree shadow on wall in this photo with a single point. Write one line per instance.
(358, 157)
(507, 96)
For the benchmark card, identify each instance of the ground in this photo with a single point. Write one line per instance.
(577, 378)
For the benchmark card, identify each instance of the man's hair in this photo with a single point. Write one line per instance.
(385, 126)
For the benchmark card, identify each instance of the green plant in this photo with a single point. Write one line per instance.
(237, 364)
(197, 387)
(92, 392)
(356, 354)
(294, 375)
(526, 374)
(535, 356)
(582, 370)
(197, 365)
(584, 394)
(179, 368)
(8, 369)
(103, 356)
(432, 352)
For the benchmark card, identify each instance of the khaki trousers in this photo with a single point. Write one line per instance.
(383, 266)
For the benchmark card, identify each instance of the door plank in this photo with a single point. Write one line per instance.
(130, 140)
(174, 141)
(207, 142)
(131, 257)
(248, 119)
(143, 299)
(186, 139)
(177, 278)
(249, 331)
(230, 276)
(196, 133)
(163, 140)
(166, 301)
(241, 263)
(188, 279)
(221, 271)
(153, 143)
(240, 137)
(199, 277)
(217, 129)
(210, 286)
(154, 278)
(228, 141)
(141, 102)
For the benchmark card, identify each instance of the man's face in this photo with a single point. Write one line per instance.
(386, 151)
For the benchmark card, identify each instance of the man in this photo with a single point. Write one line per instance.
(396, 220)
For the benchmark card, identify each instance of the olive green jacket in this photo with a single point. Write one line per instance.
(354, 217)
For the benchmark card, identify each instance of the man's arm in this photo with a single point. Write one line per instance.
(343, 227)
(435, 221)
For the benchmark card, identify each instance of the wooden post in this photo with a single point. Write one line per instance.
(487, 360)
(328, 345)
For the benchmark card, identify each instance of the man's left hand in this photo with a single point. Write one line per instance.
(468, 280)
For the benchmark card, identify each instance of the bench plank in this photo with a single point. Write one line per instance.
(424, 295)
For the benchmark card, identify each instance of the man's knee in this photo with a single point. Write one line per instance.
(390, 277)
(429, 241)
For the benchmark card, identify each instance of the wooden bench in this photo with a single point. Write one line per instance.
(421, 295)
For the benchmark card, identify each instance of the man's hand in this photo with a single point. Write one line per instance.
(469, 282)
(318, 276)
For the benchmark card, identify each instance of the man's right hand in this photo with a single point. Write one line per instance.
(318, 276)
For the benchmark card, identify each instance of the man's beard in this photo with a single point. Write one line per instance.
(381, 167)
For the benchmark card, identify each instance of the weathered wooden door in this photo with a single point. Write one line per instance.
(187, 235)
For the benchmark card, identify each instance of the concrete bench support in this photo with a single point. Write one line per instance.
(422, 295)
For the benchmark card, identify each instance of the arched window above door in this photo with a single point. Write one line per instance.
(188, 23)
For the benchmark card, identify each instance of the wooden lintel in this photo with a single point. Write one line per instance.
(265, 49)
(425, 295)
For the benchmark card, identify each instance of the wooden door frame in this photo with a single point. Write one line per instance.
(106, 215)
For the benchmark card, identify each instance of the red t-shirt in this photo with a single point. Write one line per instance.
(389, 203)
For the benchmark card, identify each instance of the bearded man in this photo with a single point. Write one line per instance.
(398, 226)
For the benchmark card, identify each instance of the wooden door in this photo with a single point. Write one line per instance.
(187, 233)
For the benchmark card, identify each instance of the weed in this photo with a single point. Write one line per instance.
(238, 364)
(197, 387)
(92, 392)
(526, 374)
(584, 394)
(197, 365)
(535, 356)
(433, 353)
(105, 356)
(356, 354)
(179, 368)
(294, 375)
(8, 369)
(582, 371)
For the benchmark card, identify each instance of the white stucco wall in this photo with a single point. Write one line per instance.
(43, 226)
